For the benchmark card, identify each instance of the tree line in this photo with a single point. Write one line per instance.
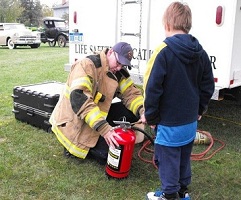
(28, 12)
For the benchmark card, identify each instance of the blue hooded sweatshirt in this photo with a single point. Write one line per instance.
(178, 82)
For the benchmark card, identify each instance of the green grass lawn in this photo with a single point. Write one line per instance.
(32, 165)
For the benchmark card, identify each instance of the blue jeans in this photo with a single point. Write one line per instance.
(174, 166)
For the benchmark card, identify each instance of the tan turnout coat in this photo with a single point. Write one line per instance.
(78, 132)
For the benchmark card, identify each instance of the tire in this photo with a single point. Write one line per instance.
(238, 94)
(52, 43)
(62, 41)
(11, 45)
(233, 94)
(34, 46)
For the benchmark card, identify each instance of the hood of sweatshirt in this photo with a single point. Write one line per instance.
(185, 47)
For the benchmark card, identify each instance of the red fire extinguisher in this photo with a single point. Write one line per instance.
(120, 158)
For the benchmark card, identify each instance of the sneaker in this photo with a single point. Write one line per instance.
(158, 195)
(155, 196)
(185, 196)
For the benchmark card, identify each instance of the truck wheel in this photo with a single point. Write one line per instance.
(52, 43)
(61, 41)
(238, 94)
(11, 45)
(233, 94)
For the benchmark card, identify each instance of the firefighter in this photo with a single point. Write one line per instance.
(82, 119)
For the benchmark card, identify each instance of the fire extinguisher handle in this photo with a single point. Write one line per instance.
(122, 122)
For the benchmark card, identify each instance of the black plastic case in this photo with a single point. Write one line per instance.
(34, 103)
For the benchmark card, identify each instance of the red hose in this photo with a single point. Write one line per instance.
(203, 155)
(148, 151)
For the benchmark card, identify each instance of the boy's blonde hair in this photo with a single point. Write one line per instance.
(178, 16)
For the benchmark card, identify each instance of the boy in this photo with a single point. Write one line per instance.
(178, 85)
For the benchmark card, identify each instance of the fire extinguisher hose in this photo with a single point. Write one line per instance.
(145, 133)
(145, 148)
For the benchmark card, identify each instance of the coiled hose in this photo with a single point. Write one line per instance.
(147, 147)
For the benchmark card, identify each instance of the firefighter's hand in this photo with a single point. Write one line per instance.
(110, 138)
(153, 126)
(199, 117)
(143, 118)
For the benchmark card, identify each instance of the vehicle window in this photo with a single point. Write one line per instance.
(49, 24)
(1, 27)
(7, 27)
(14, 26)
(60, 24)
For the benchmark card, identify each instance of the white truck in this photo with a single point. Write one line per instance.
(96, 24)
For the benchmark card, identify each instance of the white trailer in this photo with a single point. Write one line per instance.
(96, 24)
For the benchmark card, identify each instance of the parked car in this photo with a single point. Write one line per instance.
(16, 34)
(55, 31)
